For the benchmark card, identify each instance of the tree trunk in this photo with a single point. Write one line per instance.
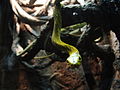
(116, 47)
(8, 78)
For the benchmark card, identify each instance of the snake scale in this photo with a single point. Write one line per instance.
(74, 56)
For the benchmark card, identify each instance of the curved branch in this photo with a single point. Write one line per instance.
(24, 16)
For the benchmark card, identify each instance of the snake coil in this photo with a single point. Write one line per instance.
(74, 56)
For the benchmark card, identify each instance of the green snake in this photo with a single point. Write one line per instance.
(74, 56)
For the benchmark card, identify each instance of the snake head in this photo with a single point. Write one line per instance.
(74, 59)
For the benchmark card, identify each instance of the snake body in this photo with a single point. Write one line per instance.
(74, 56)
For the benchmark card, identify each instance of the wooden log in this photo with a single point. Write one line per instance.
(116, 79)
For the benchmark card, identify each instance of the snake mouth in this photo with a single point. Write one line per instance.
(74, 59)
